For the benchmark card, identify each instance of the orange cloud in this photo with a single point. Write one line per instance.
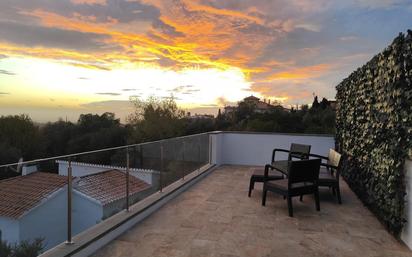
(90, 2)
(302, 73)
(193, 6)
(200, 37)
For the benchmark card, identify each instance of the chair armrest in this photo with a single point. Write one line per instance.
(318, 156)
(266, 174)
(278, 150)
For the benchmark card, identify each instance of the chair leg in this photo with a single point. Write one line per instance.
(333, 191)
(317, 199)
(251, 186)
(290, 208)
(338, 193)
(301, 198)
(264, 197)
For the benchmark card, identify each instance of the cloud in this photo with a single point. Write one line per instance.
(376, 4)
(5, 72)
(89, 2)
(274, 42)
(3, 56)
(302, 72)
(32, 35)
(128, 89)
(348, 38)
(110, 105)
(185, 90)
(108, 93)
(4, 93)
(83, 78)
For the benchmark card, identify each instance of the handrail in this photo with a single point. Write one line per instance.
(101, 150)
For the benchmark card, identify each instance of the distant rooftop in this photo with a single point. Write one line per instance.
(251, 98)
(20, 194)
(109, 186)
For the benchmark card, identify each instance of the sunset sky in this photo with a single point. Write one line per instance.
(60, 58)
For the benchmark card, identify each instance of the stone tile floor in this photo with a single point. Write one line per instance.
(216, 218)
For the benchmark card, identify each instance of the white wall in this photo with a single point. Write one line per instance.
(80, 169)
(406, 234)
(9, 230)
(48, 220)
(256, 148)
(86, 212)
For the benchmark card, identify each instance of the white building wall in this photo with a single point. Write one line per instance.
(239, 148)
(48, 220)
(86, 212)
(9, 230)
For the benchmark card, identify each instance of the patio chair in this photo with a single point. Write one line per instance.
(303, 179)
(330, 172)
(279, 167)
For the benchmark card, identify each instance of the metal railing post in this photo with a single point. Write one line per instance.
(161, 167)
(69, 203)
(183, 159)
(210, 149)
(127, 179)
(199, 154)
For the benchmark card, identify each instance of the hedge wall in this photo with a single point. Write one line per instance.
(374, 130)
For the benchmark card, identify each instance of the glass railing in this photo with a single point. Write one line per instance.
(57, 198)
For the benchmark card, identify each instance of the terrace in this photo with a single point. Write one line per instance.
(216, 218)
(197, 204)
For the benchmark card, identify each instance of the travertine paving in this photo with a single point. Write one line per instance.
(216, 218)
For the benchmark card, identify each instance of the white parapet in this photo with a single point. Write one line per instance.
(406, 234)
(249, 148)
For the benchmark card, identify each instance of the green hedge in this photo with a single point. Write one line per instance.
(374, 130)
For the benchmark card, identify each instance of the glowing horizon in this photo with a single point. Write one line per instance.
(74, 56)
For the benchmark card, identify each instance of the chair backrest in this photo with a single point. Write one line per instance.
(304, 171)
(334, 158)
(299, 151)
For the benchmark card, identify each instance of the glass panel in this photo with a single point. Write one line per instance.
(100, 185)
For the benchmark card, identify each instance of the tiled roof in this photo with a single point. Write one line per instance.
(20, 194)
(109, 186)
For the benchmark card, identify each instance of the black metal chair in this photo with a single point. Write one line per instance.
(303, 179)
(330, 172)
(279, 167)
(297, 151)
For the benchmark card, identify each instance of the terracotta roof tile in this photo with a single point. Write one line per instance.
(109, 186)
(20, 194)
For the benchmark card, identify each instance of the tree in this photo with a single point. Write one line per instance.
(155, 119)
(324, 103)
(244, 111)
(315, 103)
(20, 137)
(55, 137)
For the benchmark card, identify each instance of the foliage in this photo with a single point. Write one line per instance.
(19, 137)
(319, 119)
(155, 119)
(374, 129)
(5, 249)
(152, 120)
(25, 248)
